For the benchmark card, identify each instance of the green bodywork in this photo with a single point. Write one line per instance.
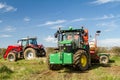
(67, 47)
(65, 42)
(102, 54)
(61, 58)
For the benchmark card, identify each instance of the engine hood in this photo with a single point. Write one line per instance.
(14, 46)
(66, 42)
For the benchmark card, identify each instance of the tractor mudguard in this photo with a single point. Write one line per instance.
(103, 54)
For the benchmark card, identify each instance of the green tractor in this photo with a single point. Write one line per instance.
(72, 50)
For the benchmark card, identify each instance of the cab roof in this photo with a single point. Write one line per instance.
(71, 30)
(28, 38)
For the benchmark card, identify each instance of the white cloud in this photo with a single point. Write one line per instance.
(52, 22)
(27, 19)
(109, 26)
(99, 2)
(111, 16)
(2, 5)
(9, 29)
(50, 39)
(57, 27)
(55, 22)
(104, 17)
(1, 21)
(5, 36)
(109, 42)
(77, 20)
(6, 8)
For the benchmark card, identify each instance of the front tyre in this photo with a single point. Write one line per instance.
(81, 60)
(29, 54)
(53, 66)
(11, 57)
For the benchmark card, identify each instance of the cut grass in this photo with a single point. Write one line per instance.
(37, 70)
(115, 60)
(5, 72)
(22, 69)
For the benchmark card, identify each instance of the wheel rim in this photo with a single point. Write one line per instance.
(11, 58)
(30, 55)
(103, 59)
(43, 53)
(83, 60)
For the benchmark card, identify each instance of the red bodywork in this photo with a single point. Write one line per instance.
(93, 49)
(18, 48)
(94, 55)
(12, 48)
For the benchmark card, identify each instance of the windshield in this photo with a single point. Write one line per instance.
(70, 36)
(33, 41)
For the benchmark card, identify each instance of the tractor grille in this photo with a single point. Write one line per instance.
(67, 49)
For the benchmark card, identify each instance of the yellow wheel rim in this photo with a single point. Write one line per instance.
(83, 60)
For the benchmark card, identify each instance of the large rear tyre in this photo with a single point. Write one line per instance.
(29, 54)
(53, 66)
(11, 57)
(81, 60)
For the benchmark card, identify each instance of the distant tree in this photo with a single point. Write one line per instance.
(116, 51)
(102, 50)
(2, 51)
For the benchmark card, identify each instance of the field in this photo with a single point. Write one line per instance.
(37, 70)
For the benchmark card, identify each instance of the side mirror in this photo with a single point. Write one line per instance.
(98, 31)
(56, 35)
(18, 41)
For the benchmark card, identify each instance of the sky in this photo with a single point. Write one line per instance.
(41, 19)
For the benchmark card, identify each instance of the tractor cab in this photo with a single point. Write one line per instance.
(69, 40)
(27, 42)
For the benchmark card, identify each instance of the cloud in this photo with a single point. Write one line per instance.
(52, 22)
(108, 26)
(111, 16)
(104, 17)
(6, 8)
(5, 36)
(9, 29)
(57, 27)
(59, 22)
(1, 21)
(109, 42)
(27, 19)
(99, 2)
(50, 39)
(77, 20)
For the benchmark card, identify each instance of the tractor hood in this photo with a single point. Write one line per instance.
(10, 48)
(14, 46)
(66, 42)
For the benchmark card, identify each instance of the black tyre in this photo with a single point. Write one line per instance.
(81, 60)
(53, 66)
(29, 54)
(104, 59)
(43, 53)
(11, 57)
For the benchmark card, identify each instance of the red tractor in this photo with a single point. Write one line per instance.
(27, 48)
